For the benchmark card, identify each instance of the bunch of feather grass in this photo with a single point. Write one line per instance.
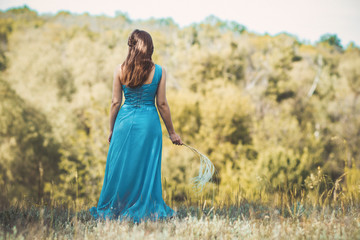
(206, 171)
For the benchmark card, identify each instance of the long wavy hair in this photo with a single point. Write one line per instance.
(138, 63)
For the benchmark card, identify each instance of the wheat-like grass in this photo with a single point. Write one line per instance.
(206, 170)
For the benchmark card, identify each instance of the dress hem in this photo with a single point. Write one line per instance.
(125, 216)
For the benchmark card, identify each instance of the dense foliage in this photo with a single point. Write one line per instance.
(276, 116)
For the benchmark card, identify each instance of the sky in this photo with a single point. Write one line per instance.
(306, 19)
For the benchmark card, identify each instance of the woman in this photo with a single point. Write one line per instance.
(132, 184)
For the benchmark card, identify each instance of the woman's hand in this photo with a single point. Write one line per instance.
(176, 139)
(109, 138)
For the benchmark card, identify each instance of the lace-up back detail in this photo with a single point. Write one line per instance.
(145, 94)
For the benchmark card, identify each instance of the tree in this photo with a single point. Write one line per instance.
(332, 40)
(29, 155)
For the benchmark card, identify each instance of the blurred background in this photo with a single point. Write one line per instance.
(268, 91)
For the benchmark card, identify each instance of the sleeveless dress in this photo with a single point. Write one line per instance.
(132, 189)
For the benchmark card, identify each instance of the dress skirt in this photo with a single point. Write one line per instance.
(132, 189)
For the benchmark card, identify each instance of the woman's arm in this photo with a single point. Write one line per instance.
(116, 99)
(164, 109)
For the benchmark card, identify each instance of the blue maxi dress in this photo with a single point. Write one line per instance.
(132, 189)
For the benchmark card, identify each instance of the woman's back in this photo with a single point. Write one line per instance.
(132, 183)
(145, 94)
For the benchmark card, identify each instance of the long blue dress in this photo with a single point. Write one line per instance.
(132, 189)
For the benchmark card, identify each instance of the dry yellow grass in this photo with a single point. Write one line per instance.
(248, 221)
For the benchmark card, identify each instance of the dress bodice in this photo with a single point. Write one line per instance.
(145, 94)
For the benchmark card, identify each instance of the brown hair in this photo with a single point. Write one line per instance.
(138, 63)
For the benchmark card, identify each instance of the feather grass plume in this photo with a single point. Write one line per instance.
(206, 171)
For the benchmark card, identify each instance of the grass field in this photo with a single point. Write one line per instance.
(245, 221)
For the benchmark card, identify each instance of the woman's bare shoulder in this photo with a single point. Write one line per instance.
(118, 67)
(117, 70)
(162, 69)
